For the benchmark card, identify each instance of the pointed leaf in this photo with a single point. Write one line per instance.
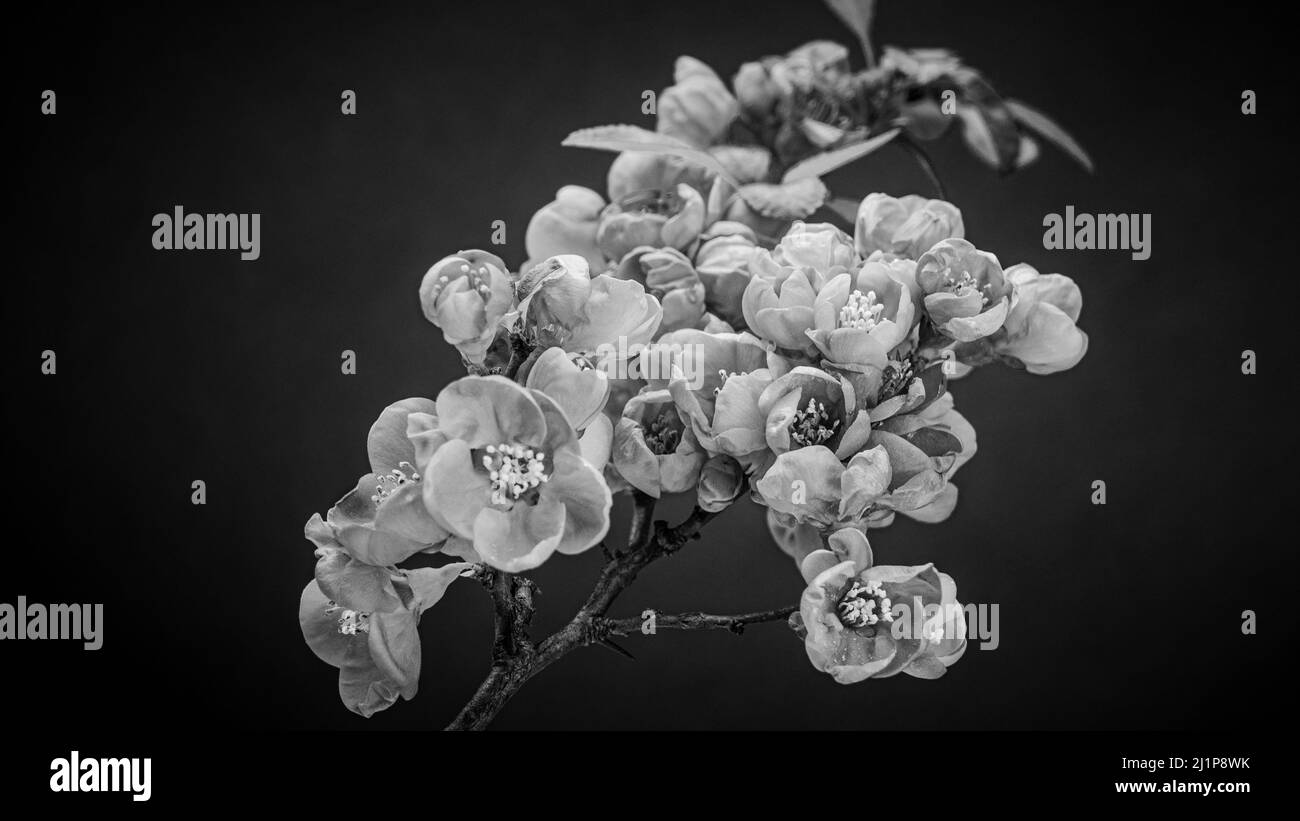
(1047, 128)
(857, 15)
(819, 165)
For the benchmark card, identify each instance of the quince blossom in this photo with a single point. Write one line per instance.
(503, 467)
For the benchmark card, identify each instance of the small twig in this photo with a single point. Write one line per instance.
(516, 659)
(697, 621)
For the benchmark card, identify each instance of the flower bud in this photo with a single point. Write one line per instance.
(567, 226)
(466, 295)
(721, 482)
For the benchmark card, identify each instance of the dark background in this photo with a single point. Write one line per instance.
(177, 366)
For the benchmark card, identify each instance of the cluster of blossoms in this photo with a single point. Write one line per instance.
(807, 369)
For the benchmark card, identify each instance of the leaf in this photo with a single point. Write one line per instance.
(934, 442)
(1047, 128)
(786, 201)
(819, 165)
(857, 15)
(635, 138)
(988, 126)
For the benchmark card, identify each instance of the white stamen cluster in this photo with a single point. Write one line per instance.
(514, 470)
(390, 482)
(810, 425)
(865, 605)
(350, 622)
(861, 311)
(965, 284)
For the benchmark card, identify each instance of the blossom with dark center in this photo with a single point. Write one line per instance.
(655, 450)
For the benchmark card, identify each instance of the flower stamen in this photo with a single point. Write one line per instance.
(812, 425)
(390, 482)
(865, 605)
(861, 311)
(664, 434)
(514, 470)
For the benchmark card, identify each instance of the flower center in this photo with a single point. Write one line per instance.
(865, 605)
(965, 284)
(861, 311)
(664, 433)
(812, 425)
(350, 622)
(514, 470)
(390, 482)
(898, 375)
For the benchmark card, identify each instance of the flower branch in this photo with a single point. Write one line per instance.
(698, 621)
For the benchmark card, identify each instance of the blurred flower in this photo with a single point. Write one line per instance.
(966, 295)
(502, 466)
(654, 449)
(669, 276)
(849, 611)
(698, 108)
(567, 226)
(561, 305)
(658, 218)
(908, 226)
(466, 295)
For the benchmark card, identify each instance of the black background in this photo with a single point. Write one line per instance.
(176, 366)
